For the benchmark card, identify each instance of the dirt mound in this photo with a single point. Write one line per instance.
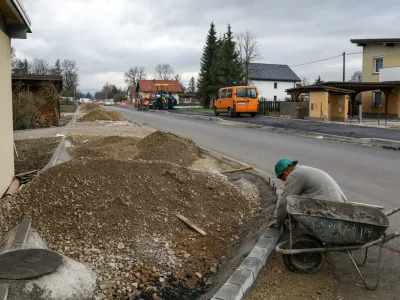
(168, 147)
(104, 212)
(110, 146)
(102, 114)
(86, 107)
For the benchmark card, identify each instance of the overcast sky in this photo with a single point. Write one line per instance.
(107, 37)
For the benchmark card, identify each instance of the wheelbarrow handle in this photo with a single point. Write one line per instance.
(391, 212)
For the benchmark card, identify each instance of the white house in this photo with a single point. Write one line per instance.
(272, 80)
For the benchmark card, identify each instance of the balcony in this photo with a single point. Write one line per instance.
(389, 74)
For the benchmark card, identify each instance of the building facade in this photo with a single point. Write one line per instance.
(272, 80)
(14, 23)
(380, 63)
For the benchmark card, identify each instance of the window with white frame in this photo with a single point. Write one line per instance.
(377, 97)
(378, 63)
(275, 85)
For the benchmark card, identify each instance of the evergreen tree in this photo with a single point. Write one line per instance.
(204, 83)
(192, 86)
(56, 70)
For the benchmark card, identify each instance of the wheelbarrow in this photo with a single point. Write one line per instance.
(333, 226)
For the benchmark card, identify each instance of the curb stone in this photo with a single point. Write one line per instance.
(240, 282)
(56, 153)
(3, 291)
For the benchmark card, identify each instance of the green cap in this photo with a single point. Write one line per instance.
(282, 164)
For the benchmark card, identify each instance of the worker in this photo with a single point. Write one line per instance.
(303, 181)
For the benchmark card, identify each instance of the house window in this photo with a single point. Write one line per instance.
(275, 85)
(275, 98)
(312, 106)
(378, 64)
(223, 94)
(377, 98)
(229, 94)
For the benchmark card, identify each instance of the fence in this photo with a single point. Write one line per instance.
(269, 107)
(289, 109)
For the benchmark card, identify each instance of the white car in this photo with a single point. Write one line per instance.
(107, 103)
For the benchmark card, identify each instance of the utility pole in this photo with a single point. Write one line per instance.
(344, 66)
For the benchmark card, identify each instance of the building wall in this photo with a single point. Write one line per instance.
(6, 122)
(391, 58)
(339, 107)
(318, 105)
(266, 89)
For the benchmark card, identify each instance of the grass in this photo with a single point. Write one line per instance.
(68, 108)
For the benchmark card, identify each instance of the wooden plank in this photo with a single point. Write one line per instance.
(191, 225)
(26, 173)
(237, 170)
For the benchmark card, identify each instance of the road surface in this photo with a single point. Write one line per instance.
(309, 126)
(366, 174)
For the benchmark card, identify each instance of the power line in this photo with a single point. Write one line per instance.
(315, 61)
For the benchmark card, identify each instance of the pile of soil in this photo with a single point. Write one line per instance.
(168, 147)
(87, 107)
(34, 154)
(120, 217)
(119, 147)
(156, 146)
(102, 114)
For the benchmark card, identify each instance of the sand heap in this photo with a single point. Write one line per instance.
(102, 114)
(87, 107)
(119, 216)
(156, 146)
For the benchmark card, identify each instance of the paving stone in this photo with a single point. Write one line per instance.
(229, 291)
(252, 264)
(261, 253)
(242, 277)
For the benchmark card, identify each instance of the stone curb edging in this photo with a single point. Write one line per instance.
(56, 153)
(3, 291)
(246, 274)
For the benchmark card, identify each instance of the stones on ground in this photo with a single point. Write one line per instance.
(121, 246)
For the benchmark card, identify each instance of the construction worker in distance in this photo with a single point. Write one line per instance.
(146, 104)
(303, 181)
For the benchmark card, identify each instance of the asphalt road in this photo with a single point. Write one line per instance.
(366, 174)
(308, 126)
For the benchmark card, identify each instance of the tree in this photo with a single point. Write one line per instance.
(318, 80)
(56, 70)
(70, 76)
(164, 72)
(356, 77)
(204, 82)
(305, 81)
(192, 86)
(134, 74)
(14, 59)
(89, 95)
(21, 67)
(227, 69)
(249, 52)
(40, 66)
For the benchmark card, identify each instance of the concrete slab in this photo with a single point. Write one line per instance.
(22, 233)
(229, 291)
(242, 277)
(3, 291)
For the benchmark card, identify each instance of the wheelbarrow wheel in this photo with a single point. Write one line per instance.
(305, 263)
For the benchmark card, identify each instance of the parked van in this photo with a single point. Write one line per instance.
(236, 100)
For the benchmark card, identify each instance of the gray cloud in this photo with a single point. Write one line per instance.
(106, 38)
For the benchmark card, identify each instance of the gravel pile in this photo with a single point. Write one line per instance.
(168, 147)
(86, 107)
(119, 217)
(102, 114)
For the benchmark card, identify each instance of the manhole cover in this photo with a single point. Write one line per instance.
(28, 263)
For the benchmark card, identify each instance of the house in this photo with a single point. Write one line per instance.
(380, 63)
(189, 98)
(150, 87)
(272, 80)
(14, 24)
(32, 83)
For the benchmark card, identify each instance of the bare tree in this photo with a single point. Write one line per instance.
(356, 77)
(70, 76)
(164, 71)
(305, 81)
(14, 60)
(178, 77)
(40, 66)
(249, 51)
(134, 74)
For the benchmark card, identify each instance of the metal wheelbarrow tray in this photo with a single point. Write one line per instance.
(334, 226)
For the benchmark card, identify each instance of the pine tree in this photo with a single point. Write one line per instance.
(204, 83)
(192, 86)
(232, 66)
(56, 70)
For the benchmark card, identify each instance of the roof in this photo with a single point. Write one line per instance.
(259, 71)
(321, 88)
(363, 42)
(15, 14)
(149, 86)
(36, 77)
(364, 86)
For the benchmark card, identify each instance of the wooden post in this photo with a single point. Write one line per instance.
(387, 95)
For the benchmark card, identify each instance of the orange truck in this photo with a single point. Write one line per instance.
(236, 100)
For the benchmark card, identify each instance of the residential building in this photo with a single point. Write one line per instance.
(14, 24)
(150, 87)
(381, 63)
(272, 80)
